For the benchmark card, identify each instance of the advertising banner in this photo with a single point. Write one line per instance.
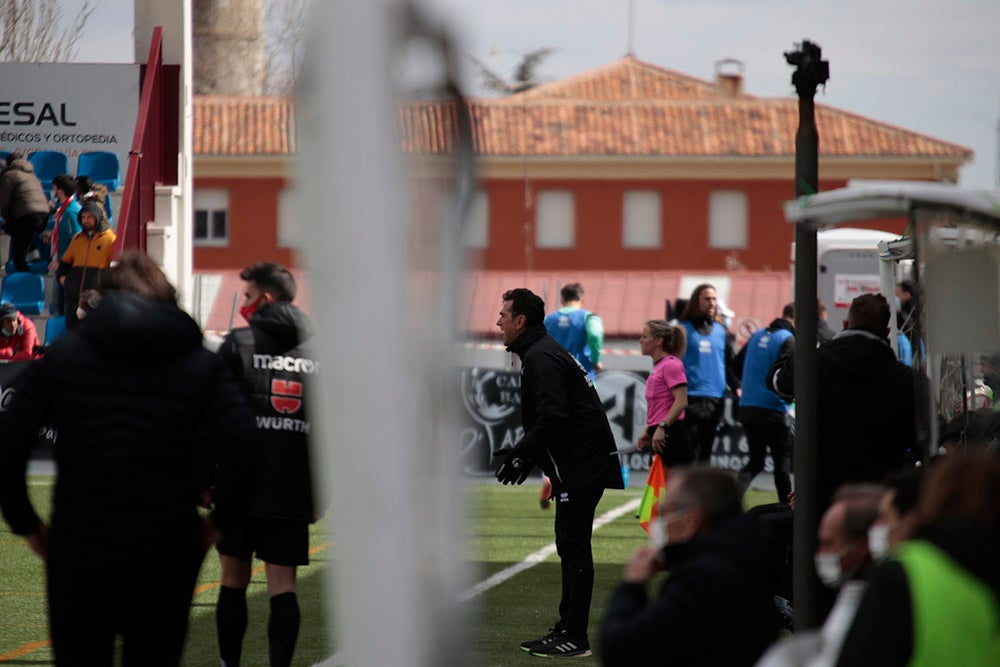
(492, 420)
(70, 108)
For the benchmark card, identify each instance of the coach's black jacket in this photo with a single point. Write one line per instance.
(137, 403)
(566, 431)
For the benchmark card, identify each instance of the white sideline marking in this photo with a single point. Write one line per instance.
(530, 561)
(537, 557)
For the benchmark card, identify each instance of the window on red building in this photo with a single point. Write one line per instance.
(555, 219)
(476, 233)
(211, 217)
(727, 219)
(642, 223)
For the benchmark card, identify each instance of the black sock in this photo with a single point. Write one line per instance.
(231, 623)
(283, 629)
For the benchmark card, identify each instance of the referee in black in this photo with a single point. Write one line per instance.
(567, 435)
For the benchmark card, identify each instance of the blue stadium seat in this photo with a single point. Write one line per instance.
(3, 155)
(25, 290)
(102, 167)
(48, 165)
(54, 327)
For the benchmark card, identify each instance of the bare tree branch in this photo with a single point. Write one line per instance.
(31, 30)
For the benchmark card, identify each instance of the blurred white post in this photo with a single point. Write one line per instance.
(382, 453)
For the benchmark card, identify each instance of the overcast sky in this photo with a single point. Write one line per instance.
(931, 66)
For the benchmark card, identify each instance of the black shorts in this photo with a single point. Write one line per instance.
(275, 541)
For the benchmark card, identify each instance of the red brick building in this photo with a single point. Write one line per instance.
(628, 167)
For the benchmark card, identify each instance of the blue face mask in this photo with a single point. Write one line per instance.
(899, 304)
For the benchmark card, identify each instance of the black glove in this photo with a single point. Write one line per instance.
(514, 469)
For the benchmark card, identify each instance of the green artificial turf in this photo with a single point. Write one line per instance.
(505, 525)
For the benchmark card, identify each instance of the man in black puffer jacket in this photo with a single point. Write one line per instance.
(138, 403)
(567, 435)
(867, 401)
(274, 370)
(716, 607)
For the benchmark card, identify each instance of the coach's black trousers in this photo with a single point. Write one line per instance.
(575, 510)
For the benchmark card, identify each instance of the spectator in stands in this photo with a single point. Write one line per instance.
(843, 563)
(708, 363)
(720, 577)
(18, 338)
(87, 190)
(64, 225)
(937, 600)
(765, 415)
(138, 403)
(278, 531)
(666, 394)
(23, 206)
(866, 408)
(87, 258)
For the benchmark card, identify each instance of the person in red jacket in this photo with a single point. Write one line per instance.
(18, 338)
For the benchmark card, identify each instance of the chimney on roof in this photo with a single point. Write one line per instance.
(729, 78)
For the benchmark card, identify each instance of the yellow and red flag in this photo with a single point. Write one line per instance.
(649, 508)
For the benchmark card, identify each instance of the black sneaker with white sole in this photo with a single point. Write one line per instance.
(554, 634)
(563, 647)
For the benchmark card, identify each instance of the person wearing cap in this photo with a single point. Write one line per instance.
(87, 258)
(18, 337)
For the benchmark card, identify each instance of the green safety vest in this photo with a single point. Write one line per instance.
(956, 616)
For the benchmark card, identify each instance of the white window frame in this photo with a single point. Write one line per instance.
(210, 201)
(728, 219)
(555, 219)
(476, 232)
(642, 219)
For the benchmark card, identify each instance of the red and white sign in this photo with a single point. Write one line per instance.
(847, 287)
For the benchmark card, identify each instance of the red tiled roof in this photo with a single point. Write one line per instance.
(706, 128)
(235, 125)
(627, 108)
(625, 79)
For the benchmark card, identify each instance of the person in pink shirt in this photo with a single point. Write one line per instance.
(18, 338)
(666, 394)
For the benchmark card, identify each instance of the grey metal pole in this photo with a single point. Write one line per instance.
(810, 72)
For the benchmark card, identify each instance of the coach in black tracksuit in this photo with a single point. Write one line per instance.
(567, 435)
(138, 403)
(274, 370)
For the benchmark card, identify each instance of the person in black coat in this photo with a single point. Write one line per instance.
(567, 435)
(716, 607)
(867, 401)
(141, 408)
(272, 366)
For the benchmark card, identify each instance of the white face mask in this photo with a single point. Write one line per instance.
(80, 313)
(659, 534)
(878, 541)
(828, 569)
